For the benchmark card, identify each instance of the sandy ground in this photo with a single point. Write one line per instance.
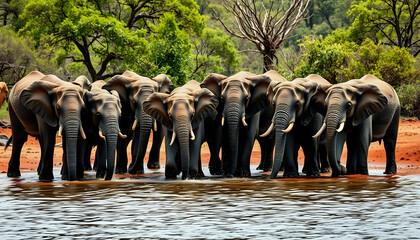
(407, 152)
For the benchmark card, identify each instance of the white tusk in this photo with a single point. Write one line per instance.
(121, 135)
(341, 127)
(173, 138)
(82, 133)
(134, 125)
(323, 127)
(289, 128)
(269, 130)
(101, 135)
(243, 121)
(60, 131)
(223, 120)
(192, 133)
(154, 126)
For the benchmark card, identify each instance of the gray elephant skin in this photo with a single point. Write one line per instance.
(241, 97)
(101, 123)
(39, 105)
(182, 113)
(360, 112)
(295, 122)
(133, 90)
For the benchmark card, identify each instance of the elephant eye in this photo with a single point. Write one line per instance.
(297, 104)
(349, 104)
(58, 109)
(134, 102)
(98, 115)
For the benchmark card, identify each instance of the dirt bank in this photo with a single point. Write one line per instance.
(407, 152)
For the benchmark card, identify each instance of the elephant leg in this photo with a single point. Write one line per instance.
(100, 158)
(47, 143)
(247, 138)
(351, 163)
(324, 165)
(138, 148)
(365, 138)
(310, 150)
(81, 147)
(122, 159)
(390, 141)
(214, 140)
(154, 154)
(195, 152)
(267, 149)
(171, 169)
(19, 137)
(290, 156)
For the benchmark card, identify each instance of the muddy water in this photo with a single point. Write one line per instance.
(214, 208)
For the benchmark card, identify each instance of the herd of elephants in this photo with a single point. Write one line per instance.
(227, 112)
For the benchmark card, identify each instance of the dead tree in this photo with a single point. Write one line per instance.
(265, 25)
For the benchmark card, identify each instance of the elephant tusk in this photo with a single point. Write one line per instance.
(269, 130)
(243, 120)
(192, 133)
(121, 135)
(223, 120)
(154, 126)
(173, 138)
(60, 131)
(82, 133)
(341, 127)
(134, 125)
(289, 128)
(101, 135)
(323, 127)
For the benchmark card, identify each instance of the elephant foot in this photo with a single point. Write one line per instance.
(390, 172)
(153, 165)
(100, 174)
(194, 174)
(313, 174)
(290, 174)
(120, 170)
(215, 167)
(304, 169)
(13, 174)
(46, 177)
(342, 171)
(243, 173)
(171, 172)
(325, 169)
(260, 167)
(227, 175)
(136, 171)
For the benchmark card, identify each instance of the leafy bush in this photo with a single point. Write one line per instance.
(409, 95)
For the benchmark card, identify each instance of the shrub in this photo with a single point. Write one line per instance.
(409, 95)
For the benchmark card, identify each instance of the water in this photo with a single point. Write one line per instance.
(374, 207)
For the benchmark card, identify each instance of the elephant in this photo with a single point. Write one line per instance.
(3, 92)
(133, 90)
(101, 121)
(241, 98)
(359, 111)
(182, 113)
(39, 105)
(295, 122)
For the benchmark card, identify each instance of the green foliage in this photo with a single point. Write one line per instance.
(4, 113)
(409, 95)
(170, 50)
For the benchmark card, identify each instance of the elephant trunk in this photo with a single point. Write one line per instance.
(281, 121)
(182, 130)
(334, 143)
(139, 144)
(71, 129)
(111, 134)
(233, 117)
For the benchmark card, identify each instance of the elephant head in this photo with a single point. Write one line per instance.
(59, 105)
(3, 92)
(291, 105)
(104, 112)
(133, 90)
(346, 105)
(241, 96)
(182, 112)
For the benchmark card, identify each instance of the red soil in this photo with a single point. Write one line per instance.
(407, 152)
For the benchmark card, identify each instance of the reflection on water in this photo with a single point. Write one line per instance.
(151, 207)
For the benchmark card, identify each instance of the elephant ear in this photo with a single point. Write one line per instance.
(212, 83)
(83, 82)
(371, 100)
(121, 84)
(205, 105)
(3, 92)
(317, 101)
(271, 91)
(38, 97)
(258, 90)
(308, 111)
(155, 105)
(165, 84)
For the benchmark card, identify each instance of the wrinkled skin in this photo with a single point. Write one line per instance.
(3, 92)
(38, 105)
(133, 90)
(241, 98)
(295, 122)
(101, 122)
(360, 112)
(182, 113)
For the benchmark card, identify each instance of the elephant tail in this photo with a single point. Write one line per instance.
(8, 143)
